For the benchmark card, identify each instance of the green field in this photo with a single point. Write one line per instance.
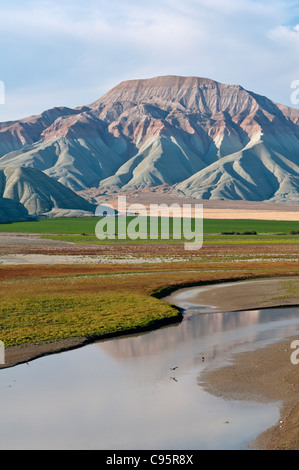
(207, 240)
(80, 226)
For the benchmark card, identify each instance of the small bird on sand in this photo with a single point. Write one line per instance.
(173, 368)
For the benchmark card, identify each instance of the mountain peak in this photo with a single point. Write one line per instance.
(165, 81)
(192, 93)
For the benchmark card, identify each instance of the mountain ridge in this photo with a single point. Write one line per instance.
(203, 138)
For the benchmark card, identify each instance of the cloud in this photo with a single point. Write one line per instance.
(52, 50)
(286, 35)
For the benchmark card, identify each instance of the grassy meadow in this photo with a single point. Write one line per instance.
(82, 231)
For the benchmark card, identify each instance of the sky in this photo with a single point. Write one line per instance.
(71, 52)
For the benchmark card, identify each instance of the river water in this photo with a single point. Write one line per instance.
(142, 391)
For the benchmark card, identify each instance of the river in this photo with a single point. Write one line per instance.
(142, 391)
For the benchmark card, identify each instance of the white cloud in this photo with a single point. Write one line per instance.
(286, 35)
(56, 50)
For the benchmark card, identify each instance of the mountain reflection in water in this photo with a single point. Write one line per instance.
(215, 334)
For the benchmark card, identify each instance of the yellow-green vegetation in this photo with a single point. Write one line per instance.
(86, 225)
(215, 231)
(291, 287)
(33, 312)
(96, 301)
(207, 240)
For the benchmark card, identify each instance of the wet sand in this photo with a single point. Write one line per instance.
(263, 375)
(266, 374)
(247, 295)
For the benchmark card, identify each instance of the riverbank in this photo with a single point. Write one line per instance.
(263, 375)
(16, 355)
(248, 294)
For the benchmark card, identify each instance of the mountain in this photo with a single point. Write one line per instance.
(202, 138)
(27, 192)
(11, 211)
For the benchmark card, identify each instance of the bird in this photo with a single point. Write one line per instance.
(202, 358)
(173, 368)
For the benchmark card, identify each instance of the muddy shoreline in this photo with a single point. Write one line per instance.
(266, 374)
(16, 355)
(247, 294)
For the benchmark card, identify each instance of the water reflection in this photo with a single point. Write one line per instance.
(211, 334)
(141, 392)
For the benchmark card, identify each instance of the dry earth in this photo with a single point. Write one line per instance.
(212, 209)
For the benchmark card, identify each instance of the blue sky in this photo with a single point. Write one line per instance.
(69, 53)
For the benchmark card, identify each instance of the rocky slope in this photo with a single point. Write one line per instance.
(204, 139)
(26, 192)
